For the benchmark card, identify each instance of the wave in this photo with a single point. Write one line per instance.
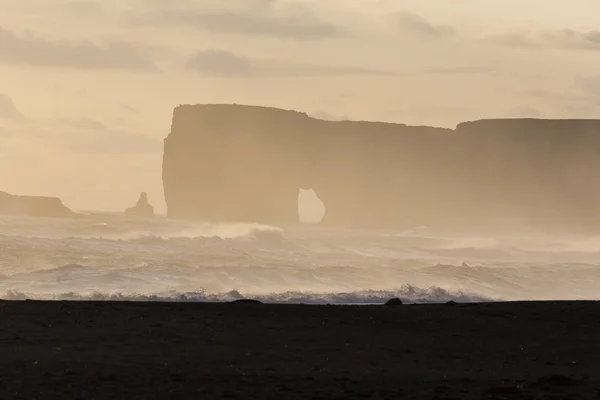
(119, 257)
(269, 235)
(122, 227)
(407, 293)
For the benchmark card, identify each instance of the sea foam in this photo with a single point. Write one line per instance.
(113, 257)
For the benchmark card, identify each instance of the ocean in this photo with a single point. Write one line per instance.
(103, 256)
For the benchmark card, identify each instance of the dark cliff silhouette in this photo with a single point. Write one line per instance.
(247, 163)
(142, 208)
(33, 206)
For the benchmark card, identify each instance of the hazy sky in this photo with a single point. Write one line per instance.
(87, 87)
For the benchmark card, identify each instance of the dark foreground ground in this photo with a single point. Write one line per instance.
(200, 351)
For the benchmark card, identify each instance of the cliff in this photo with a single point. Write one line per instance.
(246, 163)
(33, 206)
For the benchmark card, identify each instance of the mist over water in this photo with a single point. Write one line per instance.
(114, 257)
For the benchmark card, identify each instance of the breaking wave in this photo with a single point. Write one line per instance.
(114, 257)
(408, 294)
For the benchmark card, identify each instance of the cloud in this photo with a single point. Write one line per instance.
(224, 63)
(35, 51)
(126, 108)
(8, 109)
(474, 69)
(581, 100)
(82, 123)
(589, 85)
(228, 64)
(525, 112)
(4, 133)
(86, 135)
(81, 136)
(219, 62)
(109, 141)
(329, 117)
(415, 25)
(244, 17)
(564, 39)
(82, 8)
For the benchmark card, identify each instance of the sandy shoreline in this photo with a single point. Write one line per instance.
(197, 350)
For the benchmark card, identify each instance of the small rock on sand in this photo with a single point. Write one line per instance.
(394, 302)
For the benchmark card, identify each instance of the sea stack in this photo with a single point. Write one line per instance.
(142, 208)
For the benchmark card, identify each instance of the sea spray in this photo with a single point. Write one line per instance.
(110, 256)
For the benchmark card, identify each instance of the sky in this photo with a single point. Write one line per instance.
(87, 87)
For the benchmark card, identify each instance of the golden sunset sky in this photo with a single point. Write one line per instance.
(87, 88)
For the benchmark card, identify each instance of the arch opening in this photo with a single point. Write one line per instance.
(311, 208)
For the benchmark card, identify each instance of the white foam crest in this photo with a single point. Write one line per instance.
(118, 256)
(121, 227)
(219, 230)
(407, 293)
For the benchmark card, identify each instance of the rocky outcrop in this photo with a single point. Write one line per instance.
(393, 302)
(8, 110)
(33, 206)
(142, 208)
(245, 163)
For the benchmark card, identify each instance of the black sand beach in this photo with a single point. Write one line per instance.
(93, 350)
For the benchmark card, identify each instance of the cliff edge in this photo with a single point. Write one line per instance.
(247, 163)
(33, 206)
